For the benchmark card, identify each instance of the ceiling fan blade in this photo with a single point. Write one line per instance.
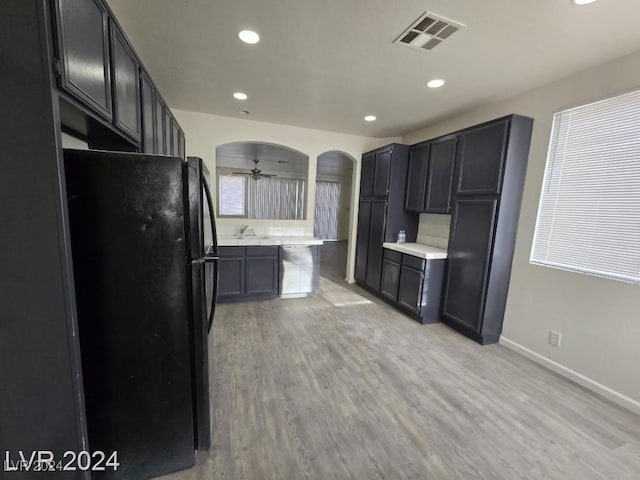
(240, 173)
(267, 175)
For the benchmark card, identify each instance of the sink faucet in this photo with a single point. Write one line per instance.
(243, 228)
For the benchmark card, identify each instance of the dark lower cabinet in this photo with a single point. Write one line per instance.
(248, 273)
(469, 250)
(413, 284)
(231, 273)
(362, 242)
(376, 239)
(390, 274)
(261, 271)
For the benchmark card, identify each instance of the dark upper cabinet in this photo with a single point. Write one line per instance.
(83, 36)
(481, 159)
(126, 85)
(442, 158)
(181, 145)
(470, 247)
(175, 136)
(417, 177)
(159, 119)
(376, 239)
(147, 91)
(381, 175)
(362, 242)
(168, 141)
(366, 175)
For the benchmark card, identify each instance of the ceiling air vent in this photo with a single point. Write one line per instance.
(428, 31)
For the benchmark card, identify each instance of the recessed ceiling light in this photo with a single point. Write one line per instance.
(583, 2)
(249, 36)
(240, 96)
(438, 82)
(370, 118)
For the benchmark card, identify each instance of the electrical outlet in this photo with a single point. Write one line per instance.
(554, 338)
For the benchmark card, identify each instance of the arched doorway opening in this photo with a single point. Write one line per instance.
(334, 211)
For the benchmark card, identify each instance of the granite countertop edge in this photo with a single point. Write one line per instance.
(419, 250)
(250, 240)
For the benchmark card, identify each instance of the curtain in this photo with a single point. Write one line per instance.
(327, 210)
(273, 197)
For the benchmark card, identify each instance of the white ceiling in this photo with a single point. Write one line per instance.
(325, 64)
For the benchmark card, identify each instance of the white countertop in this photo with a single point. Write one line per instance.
(239, 241)
(418, 250)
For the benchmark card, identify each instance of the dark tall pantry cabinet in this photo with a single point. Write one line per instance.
(381, 210)
(491, 163)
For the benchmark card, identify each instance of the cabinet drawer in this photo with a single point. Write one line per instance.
(231, 251)
(262, 251)
(413, 262)
(392, 255)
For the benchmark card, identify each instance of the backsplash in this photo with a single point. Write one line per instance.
(434, 230)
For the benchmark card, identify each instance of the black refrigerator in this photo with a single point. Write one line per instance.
(145, 270)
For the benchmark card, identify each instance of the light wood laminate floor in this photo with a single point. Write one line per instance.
(342, 386)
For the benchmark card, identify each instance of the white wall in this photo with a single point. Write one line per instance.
(203, 133)
(599, 319)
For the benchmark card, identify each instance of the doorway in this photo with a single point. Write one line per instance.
(332, 211)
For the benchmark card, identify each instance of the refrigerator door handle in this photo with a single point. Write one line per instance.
(214, 294)
(209, 201)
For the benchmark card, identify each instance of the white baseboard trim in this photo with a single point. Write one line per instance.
(606, 392)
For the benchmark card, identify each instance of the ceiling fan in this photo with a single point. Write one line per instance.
(255, 172)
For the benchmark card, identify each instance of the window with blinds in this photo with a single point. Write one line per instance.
(231, 196)
(589, 213)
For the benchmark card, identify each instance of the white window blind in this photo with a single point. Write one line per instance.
(589, 213)
(231, 195)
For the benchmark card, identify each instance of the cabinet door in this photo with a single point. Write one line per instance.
(366, 176)
(390, 277)
(126, 85)
(482, 152)
(441, 164)
(362, 242)
(181, 145)
(472, 230)
(148, 114)
(175, 136)
(159, 119)
(410, 288)
(168, 130)
(417, 178)
(83, 33)
(230, 277)
(376, 239)
(381, 175)
(261, 276)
